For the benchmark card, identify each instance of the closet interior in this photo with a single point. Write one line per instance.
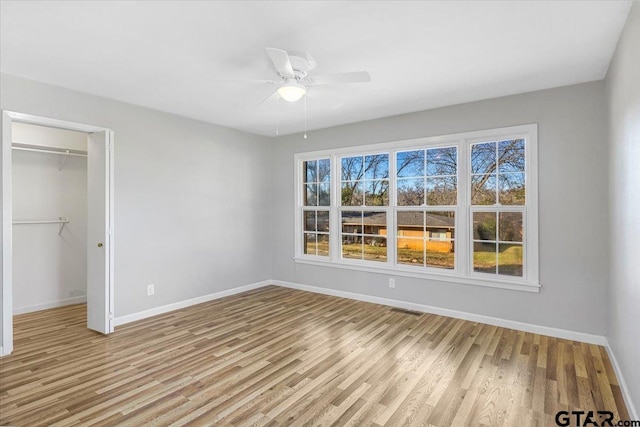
(49, 232)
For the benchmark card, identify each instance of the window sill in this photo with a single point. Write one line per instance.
(492, 283)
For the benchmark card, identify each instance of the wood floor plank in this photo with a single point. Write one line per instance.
(275, 356)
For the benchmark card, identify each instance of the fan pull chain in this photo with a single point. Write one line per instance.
(305, 117)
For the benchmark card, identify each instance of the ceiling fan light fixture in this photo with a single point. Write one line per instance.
(291, 91)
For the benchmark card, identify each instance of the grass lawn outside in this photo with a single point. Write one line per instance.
(509, 258)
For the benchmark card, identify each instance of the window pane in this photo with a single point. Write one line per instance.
(484, 257)
(483, 190)
(324, 170)
(440, 254)
(510, 226)
(411, 224)
(309, 221)
(324, 198)
(376, 166)
(311, 195)
(352, 247)
(511, 156)
(510, 259)
(351, 222)
(441, 223)
(512, 188)
(310, 243)
(410, 251)
(484, 226)
(377, 193)
(323, 221)
(310, 169)
(351, 168)
(442, 161)
(441, 191)
(483, 158)
(352, 194)
(375, 223)
(323, 244)
(375, 249)
(410, 164)
(410, 192)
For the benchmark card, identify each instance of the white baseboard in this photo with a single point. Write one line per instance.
(121, 320)
(511, 324)
(633, 413)
(54, 304)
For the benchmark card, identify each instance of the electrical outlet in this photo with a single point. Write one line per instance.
(151, 289)
(392, 282)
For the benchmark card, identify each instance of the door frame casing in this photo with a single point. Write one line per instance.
(8, 117)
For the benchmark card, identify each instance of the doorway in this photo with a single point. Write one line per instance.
(97, 216)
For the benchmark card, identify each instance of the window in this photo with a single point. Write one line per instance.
(459, 208)
(497, 200)
(427, 180)
(316, 202)
(364, 184)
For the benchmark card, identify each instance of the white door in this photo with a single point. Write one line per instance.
(99, 300)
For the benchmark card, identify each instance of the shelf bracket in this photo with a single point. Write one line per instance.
(63, 159)
(63, 222)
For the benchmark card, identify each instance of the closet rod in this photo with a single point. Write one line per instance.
(61, 220)
(44, 150)
(44, 221)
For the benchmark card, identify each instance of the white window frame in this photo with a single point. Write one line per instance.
(463, 270)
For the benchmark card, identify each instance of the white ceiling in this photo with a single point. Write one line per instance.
(175, 55)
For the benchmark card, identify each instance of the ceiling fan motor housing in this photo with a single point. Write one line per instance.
(301, 65)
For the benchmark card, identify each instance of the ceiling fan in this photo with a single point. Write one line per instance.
(294, 69)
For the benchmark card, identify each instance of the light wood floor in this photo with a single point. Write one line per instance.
(278, 356)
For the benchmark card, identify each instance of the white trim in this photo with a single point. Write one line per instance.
(371, 267)
(55, 123)
(7, 230)
(111, 231)
(128, 318)
(626, 395)
(48, 305)
(2, 351)
(504, 323)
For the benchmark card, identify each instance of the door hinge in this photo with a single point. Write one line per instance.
(111, 315)
(109, 146)
(109, 231)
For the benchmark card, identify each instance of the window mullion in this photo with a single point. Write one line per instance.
(334, 215)
(392, 258)
(463, 236)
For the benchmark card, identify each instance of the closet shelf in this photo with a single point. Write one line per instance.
(62, 152)
(62, 221)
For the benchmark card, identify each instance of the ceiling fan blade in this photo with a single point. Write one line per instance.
(280, 60)
(352, 77)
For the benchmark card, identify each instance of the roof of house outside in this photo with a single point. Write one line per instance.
(410, 219)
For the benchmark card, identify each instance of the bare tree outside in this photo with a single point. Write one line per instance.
(498, 173)
(427, 177)
(365, 180)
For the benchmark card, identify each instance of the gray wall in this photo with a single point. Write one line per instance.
(572, 207)
(192, 200)
(623, 89)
